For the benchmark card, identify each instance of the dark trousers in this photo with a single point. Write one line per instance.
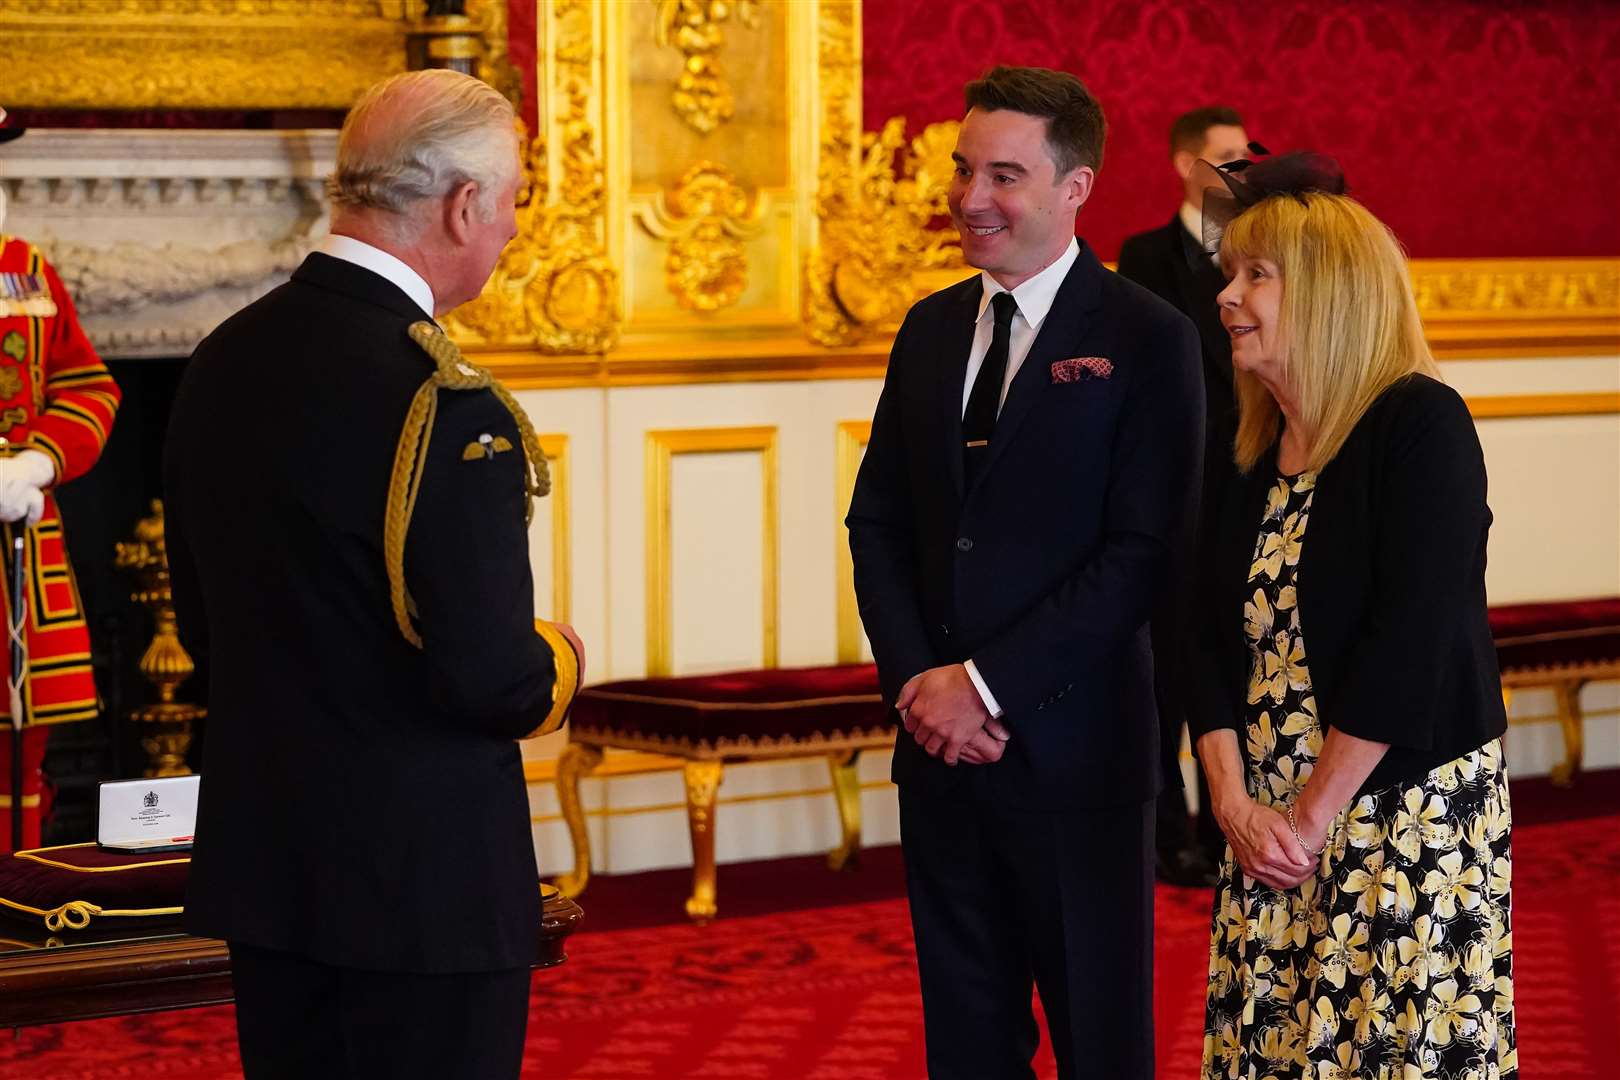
(301, 1020)
(1003, 901)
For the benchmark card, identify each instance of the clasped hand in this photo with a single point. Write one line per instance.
(1265, 847)
(943, 711)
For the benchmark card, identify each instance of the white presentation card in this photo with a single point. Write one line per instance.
(161, 812)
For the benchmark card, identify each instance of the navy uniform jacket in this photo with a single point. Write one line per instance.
(1044, 574)
(363, 801)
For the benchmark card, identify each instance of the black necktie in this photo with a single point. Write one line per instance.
(979, 420)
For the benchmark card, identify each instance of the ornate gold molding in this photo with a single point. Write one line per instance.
(875, 238)
(701, 96)
(555, 448)
(662, 446)
(705, 220)
(215, 54)
(851, 442)
(555, 289)
(1517, 406)
(1487, 308)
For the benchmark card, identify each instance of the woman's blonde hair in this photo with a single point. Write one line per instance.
(1350, 326)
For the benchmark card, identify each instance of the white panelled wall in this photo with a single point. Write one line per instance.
(1555, 490)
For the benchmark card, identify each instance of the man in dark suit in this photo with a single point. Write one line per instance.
(1172, 261)
(363, 840)
(1031, 456)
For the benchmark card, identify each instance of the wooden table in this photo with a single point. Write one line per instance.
(48, 980)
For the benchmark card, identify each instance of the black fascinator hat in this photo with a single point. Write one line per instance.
(1232, 188)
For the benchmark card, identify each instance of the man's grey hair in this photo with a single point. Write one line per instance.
(443, 130)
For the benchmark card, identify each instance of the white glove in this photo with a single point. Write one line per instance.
(23, 478)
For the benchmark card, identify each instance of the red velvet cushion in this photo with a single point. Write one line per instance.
(1559, 634)
(68, 888)
(737, 711)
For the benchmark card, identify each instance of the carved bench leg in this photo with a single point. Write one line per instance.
(1568, 696)
(847, 791)
(577, 760)
(702, 784)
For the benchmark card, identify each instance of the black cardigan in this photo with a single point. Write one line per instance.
(1391, 588)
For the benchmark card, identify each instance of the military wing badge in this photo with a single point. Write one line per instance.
(485, 446)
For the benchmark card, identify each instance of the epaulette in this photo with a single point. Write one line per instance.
(451, 371)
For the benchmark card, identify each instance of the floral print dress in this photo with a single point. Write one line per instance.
(1394, 962)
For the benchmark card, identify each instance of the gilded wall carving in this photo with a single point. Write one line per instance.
(218, 54)
(555, 288)
(701, 97)
(705, 219)
(875, 209)
(1531, 285)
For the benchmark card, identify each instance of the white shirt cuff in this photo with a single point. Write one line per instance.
(984, 691)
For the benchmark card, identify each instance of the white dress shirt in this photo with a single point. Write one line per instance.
(382, 264)
(1034, 299)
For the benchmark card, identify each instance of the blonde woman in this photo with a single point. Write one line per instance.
(1348, 713)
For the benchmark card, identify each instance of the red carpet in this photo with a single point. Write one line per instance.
(830, 992)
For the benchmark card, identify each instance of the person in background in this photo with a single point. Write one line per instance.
(347, 507)
(57, 406)
(1346, 701)
(1172, 261)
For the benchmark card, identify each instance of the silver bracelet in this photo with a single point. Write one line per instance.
(1293, 827)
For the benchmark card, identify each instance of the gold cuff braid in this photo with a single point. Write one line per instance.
(566, 684)
(452, 371)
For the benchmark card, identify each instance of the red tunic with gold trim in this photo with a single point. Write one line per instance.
(57, 397)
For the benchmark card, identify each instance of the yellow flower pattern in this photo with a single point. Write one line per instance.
(1396, 960)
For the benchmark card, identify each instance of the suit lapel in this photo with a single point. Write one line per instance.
(1065, 325)
(958, 338)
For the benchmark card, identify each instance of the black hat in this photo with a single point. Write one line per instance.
(1232, 188)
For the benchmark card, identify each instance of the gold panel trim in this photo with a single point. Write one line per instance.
(851, 441)
(1554, 718)
(1522, 405)
(555, 448)
(554, 289)
(662, 446)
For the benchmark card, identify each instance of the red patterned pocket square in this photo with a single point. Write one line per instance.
(1081, 368)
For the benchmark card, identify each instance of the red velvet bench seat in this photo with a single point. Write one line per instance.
(1561, 645)
(700, 723)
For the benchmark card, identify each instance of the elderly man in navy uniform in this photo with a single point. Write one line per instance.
(348, 507)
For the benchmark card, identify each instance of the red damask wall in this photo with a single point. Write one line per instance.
(1472, 128)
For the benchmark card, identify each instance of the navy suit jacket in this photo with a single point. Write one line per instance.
(1045, 572)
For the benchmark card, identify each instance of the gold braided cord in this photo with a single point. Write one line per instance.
(403, 486)
(451, 371)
